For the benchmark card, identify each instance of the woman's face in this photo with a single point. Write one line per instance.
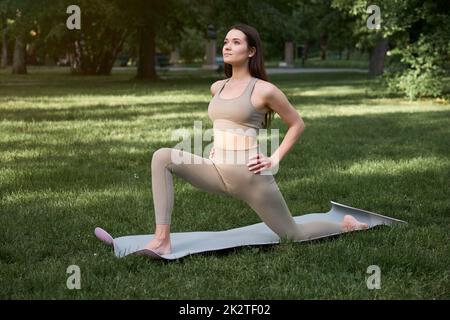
(235, 49)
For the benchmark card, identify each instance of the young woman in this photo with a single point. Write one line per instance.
(241, 105)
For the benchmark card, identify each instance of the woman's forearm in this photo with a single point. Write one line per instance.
(292, 135)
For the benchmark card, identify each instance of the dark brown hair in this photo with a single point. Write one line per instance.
(256, 63)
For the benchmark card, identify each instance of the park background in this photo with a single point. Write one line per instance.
(82, 111)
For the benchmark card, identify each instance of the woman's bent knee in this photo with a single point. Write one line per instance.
(161, 156)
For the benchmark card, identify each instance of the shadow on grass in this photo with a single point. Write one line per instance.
(99, 112)
(60, 85)
(343, 140)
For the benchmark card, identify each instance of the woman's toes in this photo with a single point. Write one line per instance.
(349, 223)
(364, 226)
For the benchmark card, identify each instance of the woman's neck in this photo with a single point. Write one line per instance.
(240, 74)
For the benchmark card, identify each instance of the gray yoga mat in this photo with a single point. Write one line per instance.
(186, 243)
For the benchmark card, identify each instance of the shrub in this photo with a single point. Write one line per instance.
(421, 71)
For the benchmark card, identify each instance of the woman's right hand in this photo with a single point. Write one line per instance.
(211, 153)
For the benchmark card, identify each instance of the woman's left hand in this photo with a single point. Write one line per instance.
(259, 162)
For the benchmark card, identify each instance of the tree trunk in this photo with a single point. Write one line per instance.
(174, 55)
(146, 64)
(376, 66)
(32, 54)
(289, 53)
(348, 54)
(323, 47)
(110, 56)
(305, 52)
(19, 64)
(85, 60)
(75, 58)
(4, 61)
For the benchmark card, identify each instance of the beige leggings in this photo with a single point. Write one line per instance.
(259, 191)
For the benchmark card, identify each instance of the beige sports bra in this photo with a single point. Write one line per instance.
(236, 122)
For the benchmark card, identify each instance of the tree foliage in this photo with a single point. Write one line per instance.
(418, 33)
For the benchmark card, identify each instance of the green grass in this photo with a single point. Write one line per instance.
(76, 151)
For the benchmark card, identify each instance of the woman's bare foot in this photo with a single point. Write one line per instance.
(161, 242)
(350, 224)
(160, 246)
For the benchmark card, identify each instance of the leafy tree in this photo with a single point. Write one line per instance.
(104, 28)
(92, 50)
(417, 31)
(157, 21)
(21, 13)
(5, 14)
(191, 44)
(273, 20)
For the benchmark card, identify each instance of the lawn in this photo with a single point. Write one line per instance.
(76, 152)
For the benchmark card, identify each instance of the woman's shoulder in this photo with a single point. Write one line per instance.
(216, 85)
(265, 88)
(264, 84)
